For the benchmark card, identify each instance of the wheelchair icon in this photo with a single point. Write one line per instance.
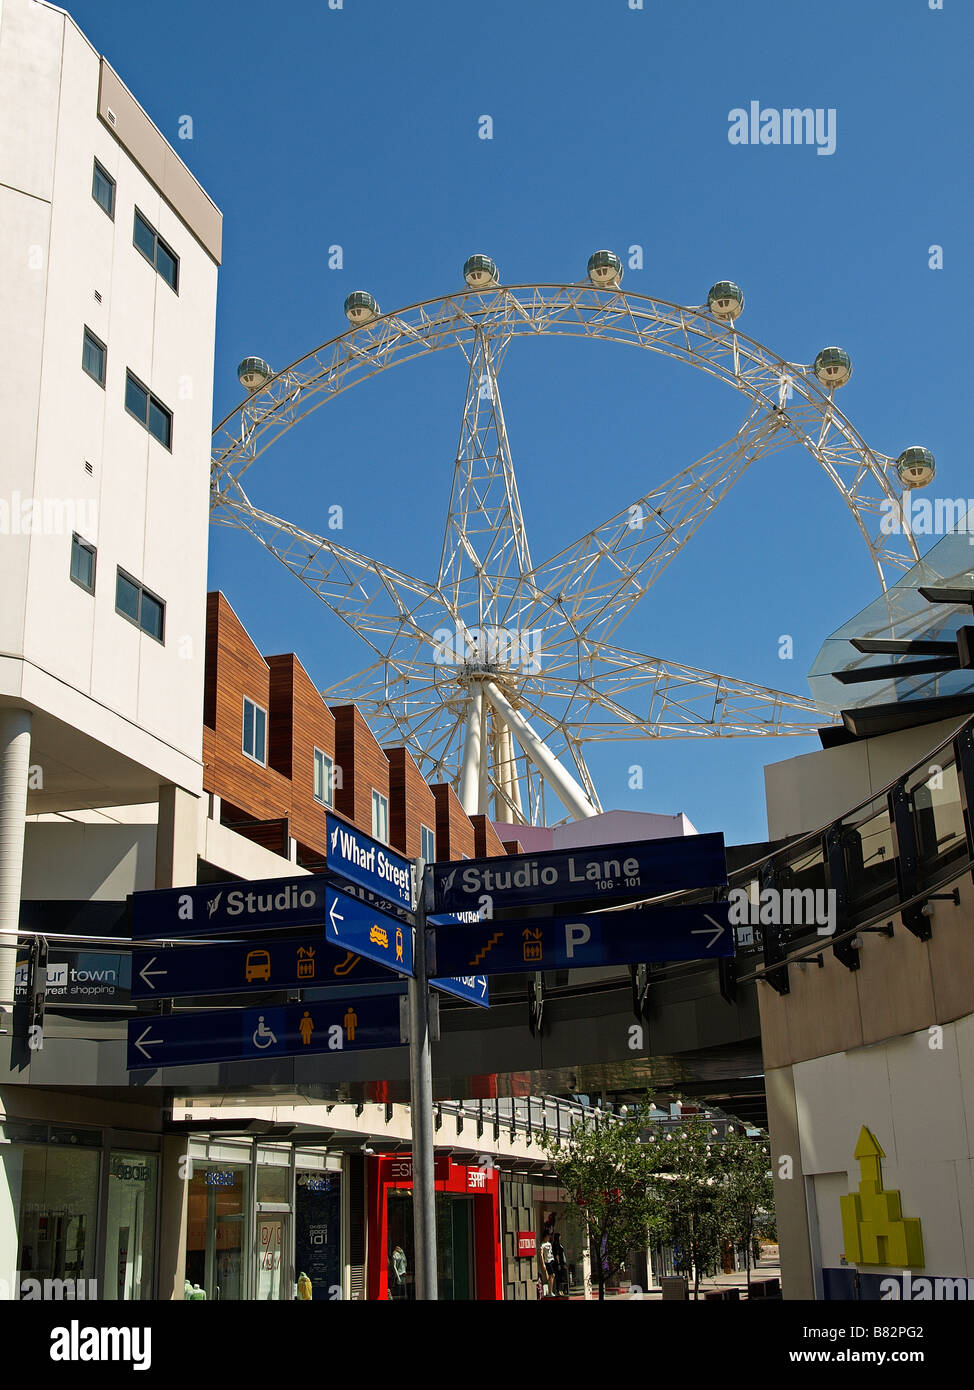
(263, 1037)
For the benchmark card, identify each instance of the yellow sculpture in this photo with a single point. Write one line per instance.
(873, 1225)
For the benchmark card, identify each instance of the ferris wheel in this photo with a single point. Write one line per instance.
(498, 672)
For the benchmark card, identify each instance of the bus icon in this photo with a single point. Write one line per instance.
(258, 966)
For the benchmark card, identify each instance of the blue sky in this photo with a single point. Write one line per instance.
(359, 126)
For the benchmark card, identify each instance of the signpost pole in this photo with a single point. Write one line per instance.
(421, 1111)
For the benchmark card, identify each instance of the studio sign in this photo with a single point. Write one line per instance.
(237, 903)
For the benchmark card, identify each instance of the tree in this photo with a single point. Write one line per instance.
(689, 1195)
(749, 1192)
(603, 1168)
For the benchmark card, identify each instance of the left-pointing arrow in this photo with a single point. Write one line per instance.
(333, 915)
(145, 972)
(146, 1039)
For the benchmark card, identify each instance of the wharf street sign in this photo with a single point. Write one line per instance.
(473, 988)
(361, 928)
(246, 905)
(612, 873)
(366, 862)
(628, 937)
(291, 1030)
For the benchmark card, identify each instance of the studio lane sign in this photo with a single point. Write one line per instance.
(628, 937)
(213, 908)
(610, 873)
(367, 863)
(236, 1035)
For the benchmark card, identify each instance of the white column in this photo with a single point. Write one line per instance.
(508, 774)
(568, 791)
(14, 773)
(473, 754)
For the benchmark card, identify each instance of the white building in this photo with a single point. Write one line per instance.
(109, 251)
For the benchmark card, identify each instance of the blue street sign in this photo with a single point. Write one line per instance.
(473, 988)
(698, 932)
(367, 863)
(358, 927)
(247, 905)
(609, 873)
(234, 1035)
(274, 963)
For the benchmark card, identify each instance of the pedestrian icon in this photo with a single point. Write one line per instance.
(306, 1028)
(306, 963)
(350, 1021)
(263, 1037)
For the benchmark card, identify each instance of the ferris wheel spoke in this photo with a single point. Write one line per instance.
(660, 699)
(485, 540)
(601, 576)
(380, 603)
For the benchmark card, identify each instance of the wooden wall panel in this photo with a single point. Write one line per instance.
(364, 767)
(486, 840)
(298, 721)
(238, 670)
(454, 833)
(411, 804)
(301, 722)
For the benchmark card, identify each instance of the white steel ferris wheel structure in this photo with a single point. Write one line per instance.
(497, 673)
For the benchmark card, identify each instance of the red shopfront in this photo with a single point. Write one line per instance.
(467, 1230)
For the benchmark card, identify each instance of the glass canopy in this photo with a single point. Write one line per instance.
(902, 612)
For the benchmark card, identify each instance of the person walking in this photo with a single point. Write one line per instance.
(548, 1264)
(561, 1266)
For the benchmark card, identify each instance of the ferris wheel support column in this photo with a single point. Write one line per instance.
(473, 755)
(569, 793)
(507, 776)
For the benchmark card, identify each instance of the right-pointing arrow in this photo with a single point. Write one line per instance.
(705, 931)
(146, 1039)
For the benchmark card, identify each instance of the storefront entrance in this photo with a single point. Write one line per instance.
(259, 1217)
(467, 1233)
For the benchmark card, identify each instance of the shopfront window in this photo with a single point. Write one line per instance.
(216, 1232)
(399, 1254)
(48, 1207)
(317, 1232)
(130, 1241)
(454, 1246)
(274, 1280)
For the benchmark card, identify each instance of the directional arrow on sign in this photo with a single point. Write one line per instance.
(602, 938)
(718, 930)
(145, 1042)
(268, 1032)
(368, 932)
(147, 974)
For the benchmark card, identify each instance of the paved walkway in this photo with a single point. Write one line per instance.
(764, 1269)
